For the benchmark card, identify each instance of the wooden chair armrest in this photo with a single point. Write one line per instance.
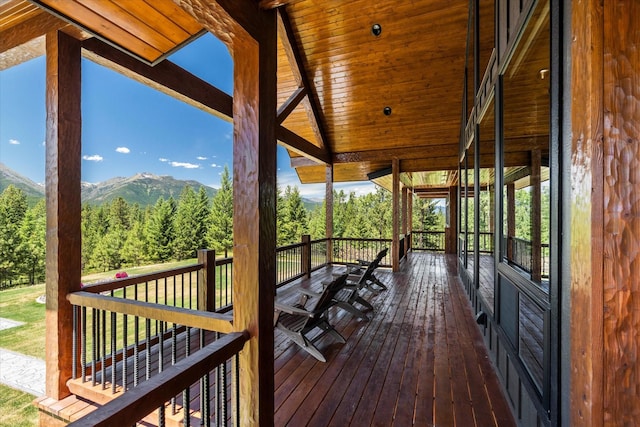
(279, 306)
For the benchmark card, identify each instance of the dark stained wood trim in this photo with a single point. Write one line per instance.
(406, 153)
(405, 210)
(295, 56)
(165, 77)
(300, 145)
(511, 216)
(290, 104)
(63, 151)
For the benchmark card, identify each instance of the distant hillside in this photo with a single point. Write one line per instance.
(33, 190)
(143, 188)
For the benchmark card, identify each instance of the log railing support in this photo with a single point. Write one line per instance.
(207, 280)
(306, 255)
(63, 241)
(328, 197)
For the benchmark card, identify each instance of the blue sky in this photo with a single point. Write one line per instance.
(129, 128)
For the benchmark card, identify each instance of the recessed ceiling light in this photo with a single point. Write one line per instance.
(387, 111)
(376, 29)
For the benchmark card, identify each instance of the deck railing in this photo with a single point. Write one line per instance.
(428, 241)
(522, 255)
(350, 250)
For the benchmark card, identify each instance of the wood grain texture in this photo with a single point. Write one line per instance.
(621, 156)
(395, 216)
(63, 148)
(587, 391)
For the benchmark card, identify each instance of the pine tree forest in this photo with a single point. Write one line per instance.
(117, 234)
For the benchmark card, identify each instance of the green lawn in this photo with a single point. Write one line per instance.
(17, 408)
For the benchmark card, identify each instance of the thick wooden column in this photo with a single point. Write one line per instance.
(251, 35)
(328, 198)
(63, 151)
(254, 222)
(395, 202)
(586, 222)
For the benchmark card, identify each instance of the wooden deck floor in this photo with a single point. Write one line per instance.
(419, 361)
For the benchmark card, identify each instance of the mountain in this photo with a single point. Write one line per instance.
(143, 188)
(33, 190)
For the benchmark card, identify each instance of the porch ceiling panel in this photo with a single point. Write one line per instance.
(415, 66)
(148, 29)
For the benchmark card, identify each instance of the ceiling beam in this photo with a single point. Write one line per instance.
(291, 104)
(300, 145)
(29, 29)
(272, 4)
(296, 60)
(165, 77)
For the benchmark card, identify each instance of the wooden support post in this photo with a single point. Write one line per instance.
(328, 197)
(511, 218)
(306, 255)
(405, 221)
(254, 222)
(536, 216)
(395, 196)
(64, 245)
(452, 236)
(410, 219)
(207, 280)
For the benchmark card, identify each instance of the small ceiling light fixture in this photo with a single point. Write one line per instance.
(376, 29)
(387, 111)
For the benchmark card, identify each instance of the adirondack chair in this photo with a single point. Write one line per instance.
(362, 266)
(298, 320)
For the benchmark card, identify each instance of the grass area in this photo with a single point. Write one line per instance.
(16, 408)
(20, 304)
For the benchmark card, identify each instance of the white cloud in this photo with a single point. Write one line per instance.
(162, 159)
(215, 165)
(93, 158)
(201, 158)
(14, 142)
(123, 150)
(184, 165)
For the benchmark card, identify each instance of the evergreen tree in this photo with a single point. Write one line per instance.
(107, 254)
(119, 214)
(186, 227)
(317, 222)
(134, 248)
(13, 207)
(160, 230)
(33, 242)
(294, 216)
(220, 233)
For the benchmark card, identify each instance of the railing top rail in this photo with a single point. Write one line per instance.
(136, 403)
(217, 322)
(323, 240)
(359, 239)
(223, 261)
(134, 280)
(291, 246)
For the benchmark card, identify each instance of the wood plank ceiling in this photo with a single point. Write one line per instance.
(334, 72)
